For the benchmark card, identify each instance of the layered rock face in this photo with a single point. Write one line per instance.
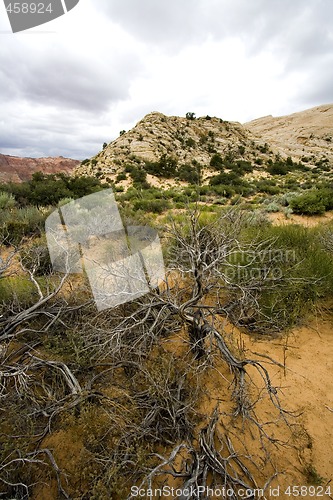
(307, 133)
(15, 169)
(305, 136)
(184, 140)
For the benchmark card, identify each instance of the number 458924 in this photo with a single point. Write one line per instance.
(308, 491)
(29, 8)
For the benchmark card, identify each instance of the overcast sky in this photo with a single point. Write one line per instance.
(69, 86)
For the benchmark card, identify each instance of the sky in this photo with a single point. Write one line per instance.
(74, 83)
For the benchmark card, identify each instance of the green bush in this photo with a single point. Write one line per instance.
(222, 190)
(121, 177)
(17, 289)
(22, 222)
(190, 142)
(242, 167)
(139, 176)
(190, 115)
(216, 162)
(7, 200)
(267, 186)
(272, 207)
(308, 204)
(64, 201)
(165, 167)
(189, 174)
(326, 195)
(45, 190)
(36, 258)
(302, 268)
(230, 178)
(155, 206)
(278, 168)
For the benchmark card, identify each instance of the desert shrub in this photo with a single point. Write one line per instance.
(326, 195)
(14, 231)
(7, 200)
(21, 222)
(21, 192)
(36, 258)
(267, 186)
(272, 207)
(148, 205)
(17, 290)
(179, 197)
(311, 258)
(284, 199)
(139, 176)
(121, 177)
(190, 115)
(301, 272)
(223, 190)
(263, 148)
(230, 178)
(165, 167)
(216, 162)
(190, 142)
(242, 167)
(45, 190)
(278, 168)
(221, 201)
(235, 200)
(189, 174)
(64, 201)
(308, 204)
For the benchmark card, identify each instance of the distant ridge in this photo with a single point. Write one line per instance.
(16, 169)
(304, 136)
(305, 133)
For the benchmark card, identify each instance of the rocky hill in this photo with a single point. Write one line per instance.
(15, 169)
(157, 139)
(305, 134)
(181, 140)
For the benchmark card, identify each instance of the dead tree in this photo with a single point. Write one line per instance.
(200, 291)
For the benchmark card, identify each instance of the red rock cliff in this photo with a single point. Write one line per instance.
(15, 169)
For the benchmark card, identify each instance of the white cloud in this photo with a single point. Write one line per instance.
(108, 63)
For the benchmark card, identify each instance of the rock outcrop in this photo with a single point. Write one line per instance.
(182, 139)
(15, 169)
(305, 134)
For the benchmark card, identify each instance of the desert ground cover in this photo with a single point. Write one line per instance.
(220, 376)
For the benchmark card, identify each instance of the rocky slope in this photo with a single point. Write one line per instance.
(186, 141)
(15, 169)
(305, 134)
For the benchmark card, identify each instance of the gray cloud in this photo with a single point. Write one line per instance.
(67, 95)
(172, 23)
(66, 78)
(176, 23)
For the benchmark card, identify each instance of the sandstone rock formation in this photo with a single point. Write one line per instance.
(305, 134)
(15, 169)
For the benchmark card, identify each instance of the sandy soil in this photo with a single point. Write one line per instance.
(304, 383)
(280, 219)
